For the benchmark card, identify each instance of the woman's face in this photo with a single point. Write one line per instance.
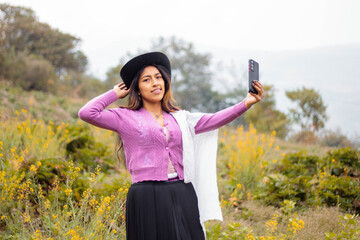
(151, 85)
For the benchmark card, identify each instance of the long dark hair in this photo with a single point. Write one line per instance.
(135, 102)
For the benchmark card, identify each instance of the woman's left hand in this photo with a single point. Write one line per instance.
(253, 98)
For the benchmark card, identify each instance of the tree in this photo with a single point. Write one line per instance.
(266, 118)
(90, 86)
(20, 31)
(310, 113)
(38, 74)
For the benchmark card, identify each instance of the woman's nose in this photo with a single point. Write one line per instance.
(155, 81)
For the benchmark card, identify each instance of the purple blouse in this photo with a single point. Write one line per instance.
(146, 150)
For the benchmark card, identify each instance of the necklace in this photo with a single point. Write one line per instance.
(156, 115)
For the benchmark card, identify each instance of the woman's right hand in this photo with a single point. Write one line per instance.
(121, 90)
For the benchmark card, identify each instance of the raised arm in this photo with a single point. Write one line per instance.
(93, 112)
(213, 121)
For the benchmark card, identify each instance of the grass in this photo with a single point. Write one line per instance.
(317, 220)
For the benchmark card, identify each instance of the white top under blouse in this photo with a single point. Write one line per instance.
(171, 170)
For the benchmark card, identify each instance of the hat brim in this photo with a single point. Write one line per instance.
(130, 69)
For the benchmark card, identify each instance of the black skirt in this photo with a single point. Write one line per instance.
(163, 211)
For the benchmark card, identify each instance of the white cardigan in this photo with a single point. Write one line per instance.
(199, 159)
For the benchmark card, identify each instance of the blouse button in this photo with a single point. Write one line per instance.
(167, 148)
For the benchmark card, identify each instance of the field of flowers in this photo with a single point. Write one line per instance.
(59, 180)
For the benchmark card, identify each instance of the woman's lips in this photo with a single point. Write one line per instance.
(156, 91)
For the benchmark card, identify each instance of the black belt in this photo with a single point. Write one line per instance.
(172, 179)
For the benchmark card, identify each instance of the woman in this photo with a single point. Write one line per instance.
(170, 153)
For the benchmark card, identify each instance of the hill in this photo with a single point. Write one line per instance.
(57, 173)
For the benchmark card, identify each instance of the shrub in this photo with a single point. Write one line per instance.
(310, 180)
(304, 136)
(350, 229)
(344, 161)
(334, 139)
(232, 231)
(296, 164)
(45, 171)
(343, 191)
(38, 74)
(10, 63)
(292, 179)
(26, 213)
(31, 72)
(278, 187)
(85, 151)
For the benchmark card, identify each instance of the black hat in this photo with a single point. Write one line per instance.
(130, 69)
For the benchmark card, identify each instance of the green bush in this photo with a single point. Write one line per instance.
(350, 229)
(51, 169)
(310, 180)
(279, 187)
(38, 74)
(85, 151)
(291, 179)
(343, 191)
(49, 173)
(232, 231)
(30, 72)
(344, 161)
(296, 164)
(111, 186)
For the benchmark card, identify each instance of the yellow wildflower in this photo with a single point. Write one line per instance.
(26, 217)
(47, 204)
(33, 168)
(68, 191)
(249, 236)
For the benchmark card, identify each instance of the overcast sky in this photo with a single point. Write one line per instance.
(110, 28)
(228, 29)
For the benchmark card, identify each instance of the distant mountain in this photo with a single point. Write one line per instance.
(333, 71)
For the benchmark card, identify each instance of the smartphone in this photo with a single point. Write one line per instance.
(253, 74)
